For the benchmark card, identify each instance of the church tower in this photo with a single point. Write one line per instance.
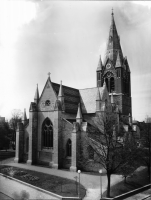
(115, 72)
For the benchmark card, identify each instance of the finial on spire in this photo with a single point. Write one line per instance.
(112, 12)
(49, 74)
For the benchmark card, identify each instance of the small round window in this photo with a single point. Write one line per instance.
(47, 103)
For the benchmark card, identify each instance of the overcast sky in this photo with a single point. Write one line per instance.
(66, 38)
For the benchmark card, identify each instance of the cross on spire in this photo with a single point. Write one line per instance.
(112, 12)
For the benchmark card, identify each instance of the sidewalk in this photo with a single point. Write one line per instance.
(142, 195)
(90, 182)
(3, 197)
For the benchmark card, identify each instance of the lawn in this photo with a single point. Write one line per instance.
(58, 185)
(137, 180)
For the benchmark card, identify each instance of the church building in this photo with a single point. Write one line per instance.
(60, 116)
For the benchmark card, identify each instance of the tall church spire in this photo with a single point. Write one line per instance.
(113, 43)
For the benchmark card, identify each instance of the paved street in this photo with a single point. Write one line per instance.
(4, 197)
(90, 182)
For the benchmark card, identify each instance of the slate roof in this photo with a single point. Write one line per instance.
(88, 99)
(71, 97)
(113, 44)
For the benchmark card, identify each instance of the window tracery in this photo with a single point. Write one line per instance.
(47, 134)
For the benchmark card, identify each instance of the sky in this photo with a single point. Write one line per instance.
(66, 39)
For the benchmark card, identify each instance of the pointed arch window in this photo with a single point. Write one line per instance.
(90, 152)
(106, 80)
(112, 85)
(47, 134)
(99, 76)
(69, 147)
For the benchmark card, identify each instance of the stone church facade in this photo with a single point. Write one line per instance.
(60, 116)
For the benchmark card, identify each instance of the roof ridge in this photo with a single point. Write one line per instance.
(90, 88)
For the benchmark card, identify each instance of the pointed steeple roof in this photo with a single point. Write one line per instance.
(36, 98)
(32, 106)
(104, 84)
(61, 93)
(118, 61)
(79, 113)
(25, 116)
(99, 65)
(113, 43)
(98, 96)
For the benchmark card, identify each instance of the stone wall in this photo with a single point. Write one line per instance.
(67, 128)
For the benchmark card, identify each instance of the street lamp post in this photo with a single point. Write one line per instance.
(100, 171)
(79, 183)
(76, 184)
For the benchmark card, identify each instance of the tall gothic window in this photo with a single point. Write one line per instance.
(90, 152)
(69, 149)
(112, 85)
(99, 76)
(47, 134)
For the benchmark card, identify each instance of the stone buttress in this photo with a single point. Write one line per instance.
(19, 143)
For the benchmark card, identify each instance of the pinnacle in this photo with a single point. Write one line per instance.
(61, 94)
(79, 113)
(36, 94)
(99, 64)
(118, 61)
(25, 116)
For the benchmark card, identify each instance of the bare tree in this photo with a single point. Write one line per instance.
(5, 133)
(111, 153)
(145, 149)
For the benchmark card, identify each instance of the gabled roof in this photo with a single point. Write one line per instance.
(71, 97)
(88, 99)
(46, 85)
